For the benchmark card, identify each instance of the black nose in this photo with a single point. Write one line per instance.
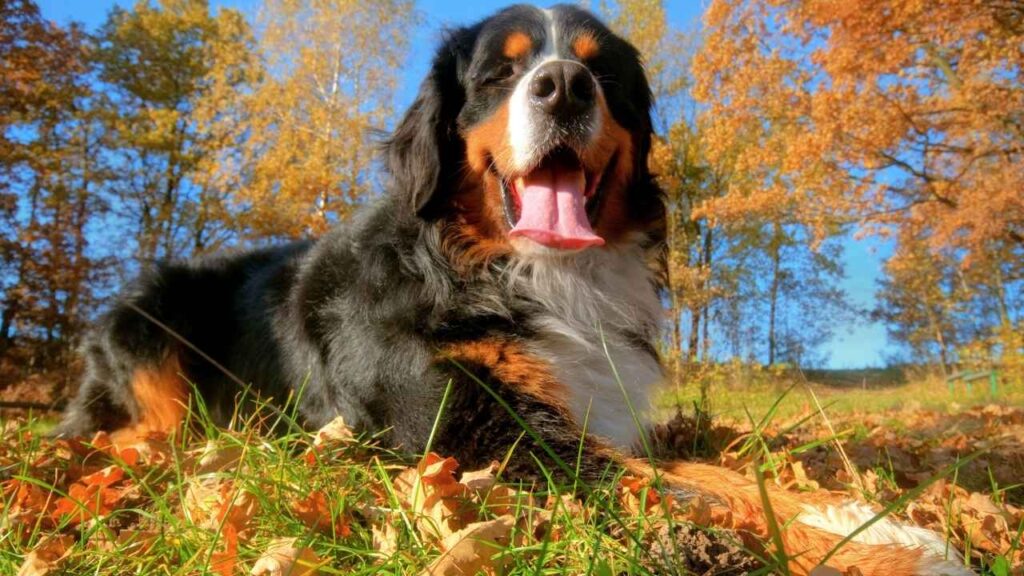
(563, 89)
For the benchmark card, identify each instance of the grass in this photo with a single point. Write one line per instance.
(870, 391)
(180, 508)
(171, 514)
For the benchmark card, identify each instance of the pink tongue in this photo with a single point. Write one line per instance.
(553, 209)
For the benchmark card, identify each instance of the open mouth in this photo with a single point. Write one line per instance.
(555, 203)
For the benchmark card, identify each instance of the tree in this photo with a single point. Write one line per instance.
(160, 64)
(677, 160)
(304, 157)
(49, 175)
(888, 111)
(717, 278)
(902, 116)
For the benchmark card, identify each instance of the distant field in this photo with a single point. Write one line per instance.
(838, 391)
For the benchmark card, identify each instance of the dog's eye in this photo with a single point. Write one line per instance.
(503, 72)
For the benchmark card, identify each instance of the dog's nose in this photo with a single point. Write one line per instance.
(563, 89)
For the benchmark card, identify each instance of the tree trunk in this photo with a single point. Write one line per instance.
(776, 253)
(940, 339)
(693, 341)
(6, 322)
(673, 291)
(708, 245)
(1000, 286)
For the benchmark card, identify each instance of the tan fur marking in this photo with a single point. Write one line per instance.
(585, 46)
(488, 141)
(517, 45)
(476, 233)
(161, 395)
(614, 143)
(515, 368)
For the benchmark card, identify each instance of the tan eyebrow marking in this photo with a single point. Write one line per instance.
(517, 45)
(585, 46)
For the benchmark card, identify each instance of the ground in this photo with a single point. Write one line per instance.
(242, 501)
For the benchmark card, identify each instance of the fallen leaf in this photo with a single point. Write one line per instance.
(334, 432)
(104, 478)
(46, 556)
(473, 549)
(698, 512)
(218, 457)
(223, 562)
(210, 502)
(85, 502)
(283, 558)
(136, 541)
(480, 480)
(385, 539)
(435, 470)
(314, 511)
(639, 498)
(440, 505)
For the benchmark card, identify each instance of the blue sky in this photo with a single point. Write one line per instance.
(854, 346)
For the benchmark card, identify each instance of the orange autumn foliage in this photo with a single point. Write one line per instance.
(895, 113)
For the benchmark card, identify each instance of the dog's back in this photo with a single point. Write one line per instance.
(222, 306)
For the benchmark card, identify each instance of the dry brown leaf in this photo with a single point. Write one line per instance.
(543, 527)
(480, 480)
(385, 539)
(436, 470)
(154, 449)
(210, 502)
(639, 498)
(284, 558)
(698, 511)
(440, 505)
(46, 556)
(218, 457)
(92, 496)
(223, 561)
(28, 504)
(473, 549)
(501, 500)
(334, 432)
(800, 478)
(315, 512)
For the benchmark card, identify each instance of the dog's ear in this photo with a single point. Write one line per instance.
(647, 202)
(425, 151)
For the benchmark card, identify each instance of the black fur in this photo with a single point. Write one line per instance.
(358, 318)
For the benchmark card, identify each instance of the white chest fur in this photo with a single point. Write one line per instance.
(596, 305)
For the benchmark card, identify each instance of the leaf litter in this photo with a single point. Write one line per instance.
(64, 498)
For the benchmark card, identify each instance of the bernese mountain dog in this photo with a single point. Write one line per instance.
(511, 267)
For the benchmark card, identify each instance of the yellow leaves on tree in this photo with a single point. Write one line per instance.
(167, 66)
(328, 84)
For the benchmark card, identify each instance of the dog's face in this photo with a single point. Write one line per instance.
(531, 136)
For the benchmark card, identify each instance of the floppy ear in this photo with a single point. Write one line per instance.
(425, 151)
(647, 202)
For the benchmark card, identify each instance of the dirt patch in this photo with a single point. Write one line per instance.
(689, 549)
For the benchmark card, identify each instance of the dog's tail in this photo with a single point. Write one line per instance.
(811, 525)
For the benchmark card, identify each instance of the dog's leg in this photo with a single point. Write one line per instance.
(502, 397)
(133, 382)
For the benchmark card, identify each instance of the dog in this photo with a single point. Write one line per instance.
(508, 279)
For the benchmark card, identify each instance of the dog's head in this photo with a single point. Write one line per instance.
(530, 135)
